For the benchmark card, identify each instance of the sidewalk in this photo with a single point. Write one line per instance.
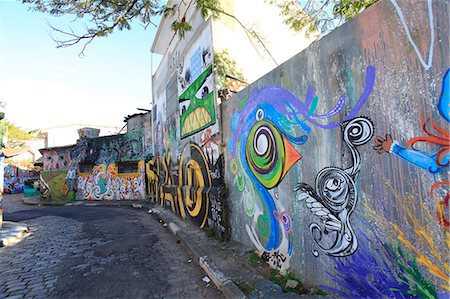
(12, 232)
(227, 264)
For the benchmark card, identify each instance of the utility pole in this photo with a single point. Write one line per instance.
(2, 157)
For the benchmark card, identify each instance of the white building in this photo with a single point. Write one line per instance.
(185, 95)
(68, 134)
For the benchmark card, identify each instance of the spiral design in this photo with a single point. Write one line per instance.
(336, 188)
(265, 153)
(286, 220)
(358, 131)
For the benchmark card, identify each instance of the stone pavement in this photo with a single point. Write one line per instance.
(226, 263)
(32, 273)
(81, 254)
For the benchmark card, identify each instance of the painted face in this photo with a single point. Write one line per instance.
(197, 105)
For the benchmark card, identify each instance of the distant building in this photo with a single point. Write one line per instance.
(68, 134)
(99, 167)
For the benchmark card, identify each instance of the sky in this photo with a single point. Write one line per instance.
(46, 87)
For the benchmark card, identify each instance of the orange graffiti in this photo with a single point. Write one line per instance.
(442, 205)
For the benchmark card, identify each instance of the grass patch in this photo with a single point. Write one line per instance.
(319, 292)
(274, 276)
(255, 260)
(209, 232)
(281, 280)
(246, 287)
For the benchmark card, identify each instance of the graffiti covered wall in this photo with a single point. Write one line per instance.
(337, 161)
(15, 177)
(111, 167)
(58, 177)
(186, 174)
(105, 183)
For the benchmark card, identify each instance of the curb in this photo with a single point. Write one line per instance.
(228, 288)
(12, 232)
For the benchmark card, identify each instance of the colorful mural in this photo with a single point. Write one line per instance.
(15, 177)
(436, 162)
(305, 187)
(197, 105)
(262, 147)
(57, 158)
(104, 182)
(55, 186)
(191, 186)
(335, 195)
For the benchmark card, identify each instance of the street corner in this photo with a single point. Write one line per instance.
(12, 232)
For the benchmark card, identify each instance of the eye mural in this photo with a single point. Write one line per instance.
(335, 195)
(197, 105)
(263, 147)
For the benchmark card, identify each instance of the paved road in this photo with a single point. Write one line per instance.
(97, 252)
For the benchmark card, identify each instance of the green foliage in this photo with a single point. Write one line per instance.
(17, 136)
(281, 280)
(103, 16)
(412, 276)
(246, 287)
(225, 65)
(209, 8)
(254, 259)
(181, 27)
(348, 9)
(319, 15)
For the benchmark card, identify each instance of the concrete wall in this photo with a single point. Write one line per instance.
(15, 177)
(186, 174)
(112, 167)
(58, 177)
(143, 123)
(104, 182)
(337, 161)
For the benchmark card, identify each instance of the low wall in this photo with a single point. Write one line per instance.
(105, 182)
(337, 161)
(57, 186)
(15, 177)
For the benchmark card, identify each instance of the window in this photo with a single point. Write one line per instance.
(196, 64)
(85, 167)
(128, 167)
(172, 96)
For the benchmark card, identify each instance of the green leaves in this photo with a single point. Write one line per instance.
(348, 9)
(102, 17)
(319, 15)
(181, 27)
(225, 65)
(17, 136)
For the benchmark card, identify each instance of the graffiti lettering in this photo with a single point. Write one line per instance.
(104, 183)
(188, 187)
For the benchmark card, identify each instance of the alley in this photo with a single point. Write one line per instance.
(96, 252)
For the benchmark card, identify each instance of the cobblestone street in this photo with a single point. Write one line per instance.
(101, 252)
